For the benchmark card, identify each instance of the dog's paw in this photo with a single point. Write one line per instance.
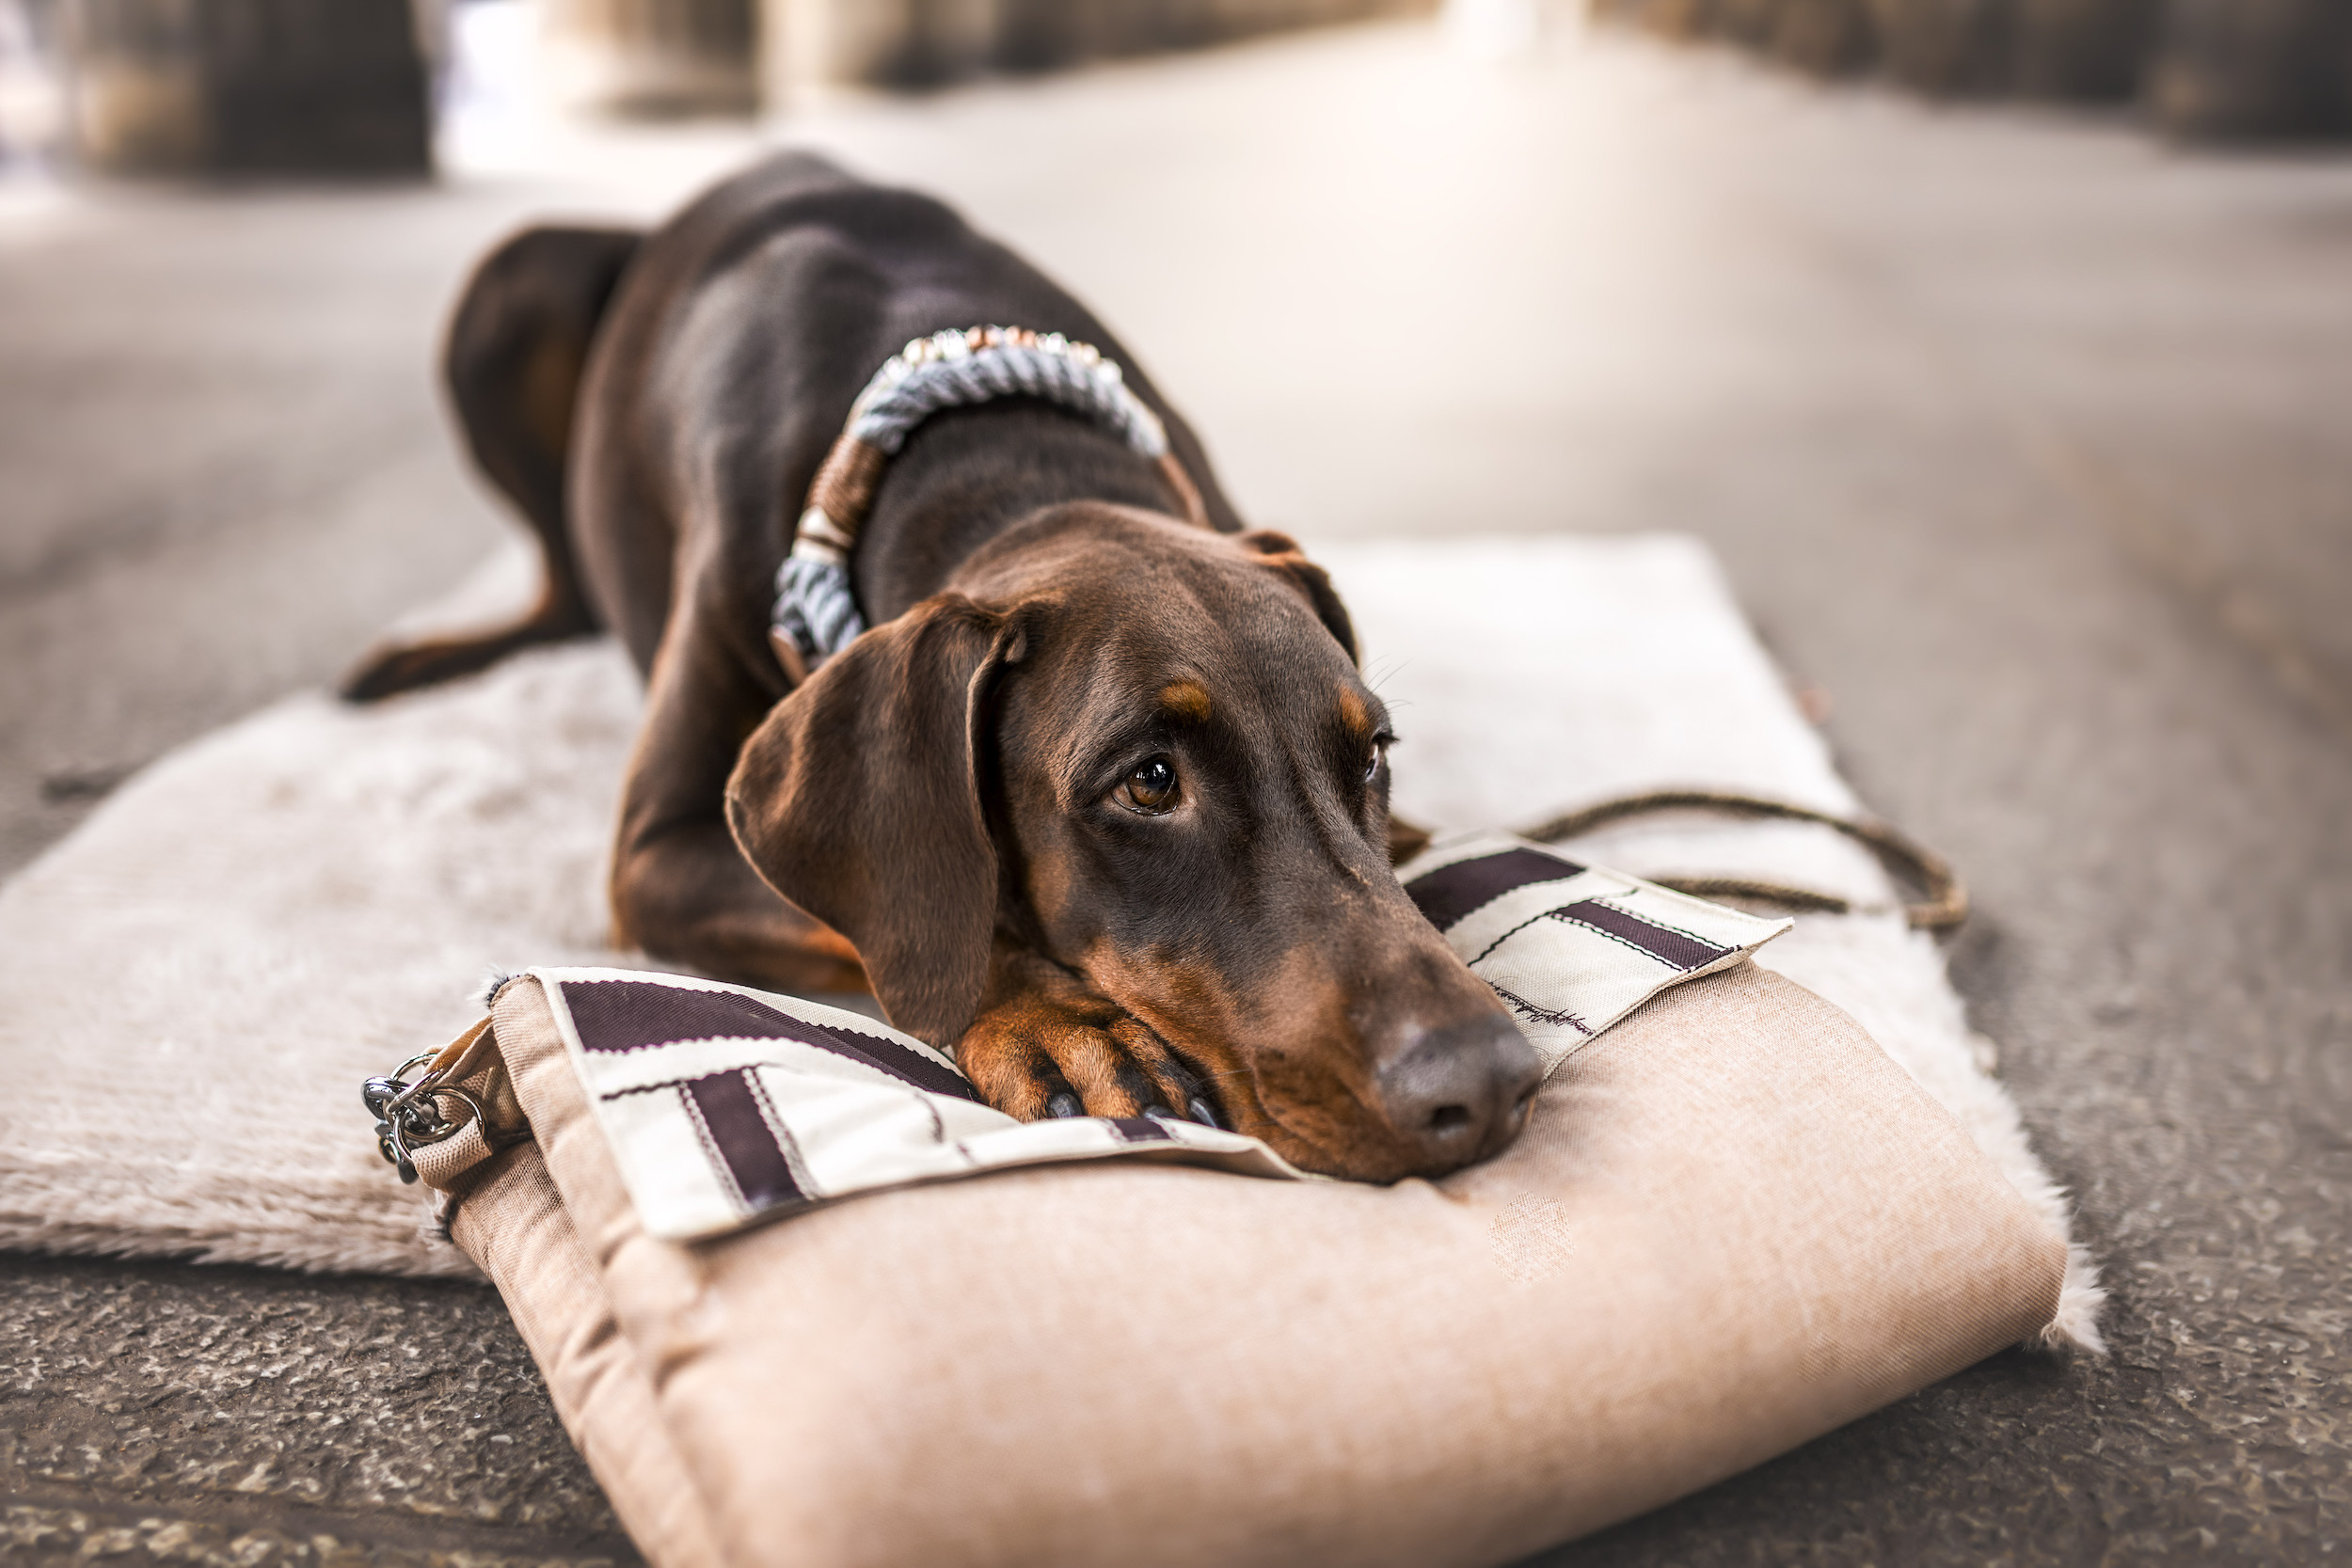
(1061, 1051)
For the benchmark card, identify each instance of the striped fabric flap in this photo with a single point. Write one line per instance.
(1572, 948)
(722, 1105)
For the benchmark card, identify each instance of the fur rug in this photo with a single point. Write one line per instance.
(201, 974)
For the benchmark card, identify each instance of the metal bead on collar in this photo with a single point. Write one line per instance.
(816, 611)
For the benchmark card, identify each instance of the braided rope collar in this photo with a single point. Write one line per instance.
(815, 614)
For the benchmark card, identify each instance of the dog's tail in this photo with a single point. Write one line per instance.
(517, 348)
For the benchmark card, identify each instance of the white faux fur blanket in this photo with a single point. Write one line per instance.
(201, 976)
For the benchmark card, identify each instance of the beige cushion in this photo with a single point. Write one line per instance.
(1731, 1226)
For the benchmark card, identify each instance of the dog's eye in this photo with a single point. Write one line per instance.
(1379, 755)
(1152, 787)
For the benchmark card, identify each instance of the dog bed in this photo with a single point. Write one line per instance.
(721, 1105)
(1732, 1224)
(257, 921)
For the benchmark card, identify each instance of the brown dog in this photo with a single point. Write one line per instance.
(1100, 805)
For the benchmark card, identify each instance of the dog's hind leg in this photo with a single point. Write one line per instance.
(513, 362)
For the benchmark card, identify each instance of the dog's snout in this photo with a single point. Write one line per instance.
(1460, 1092)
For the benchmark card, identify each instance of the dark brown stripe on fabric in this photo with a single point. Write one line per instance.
(1662, 942)
(631, 1015)
(1450, 892)
(1140, 1129)
(728, 1107)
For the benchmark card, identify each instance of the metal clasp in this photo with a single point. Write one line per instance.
(411, 1114)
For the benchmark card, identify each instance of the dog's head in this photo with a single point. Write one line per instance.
(1143, 752)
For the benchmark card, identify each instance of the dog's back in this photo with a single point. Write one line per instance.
(736, 343)
(625, 389)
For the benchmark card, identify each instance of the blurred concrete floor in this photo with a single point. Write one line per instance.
(2023, 437)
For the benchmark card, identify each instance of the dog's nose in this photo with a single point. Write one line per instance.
(1459, 1092)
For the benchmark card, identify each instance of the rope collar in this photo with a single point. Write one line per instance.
(816, 614)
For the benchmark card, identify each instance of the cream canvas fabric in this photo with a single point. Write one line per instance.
(1572, 948)
(1732, 1224)
(721, 1104)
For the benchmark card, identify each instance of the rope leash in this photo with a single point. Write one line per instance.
(1944, 905)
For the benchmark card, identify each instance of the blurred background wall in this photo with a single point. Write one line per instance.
(315, 86)
(348, 87)
(2197, 67)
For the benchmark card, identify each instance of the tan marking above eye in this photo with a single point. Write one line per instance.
(1188, 700)
(1355, 716)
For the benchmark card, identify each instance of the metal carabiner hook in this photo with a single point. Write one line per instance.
(410, 1112)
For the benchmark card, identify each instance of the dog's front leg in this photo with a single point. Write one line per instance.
(1046, 1045)
(682, 889)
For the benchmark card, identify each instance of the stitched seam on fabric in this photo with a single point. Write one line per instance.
(1629, 946)
(1653, 919)
(1569, 871)
(1653, 937)
(833, 1048)
(681, 1082)
(841, 1040)
(1523, 925)
(712, 1154)
(788, 1148)
(1541, 1015)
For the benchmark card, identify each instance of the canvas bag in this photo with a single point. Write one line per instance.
(1731, 1225)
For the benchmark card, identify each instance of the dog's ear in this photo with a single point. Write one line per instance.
(1282, 552)
(858, 799)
